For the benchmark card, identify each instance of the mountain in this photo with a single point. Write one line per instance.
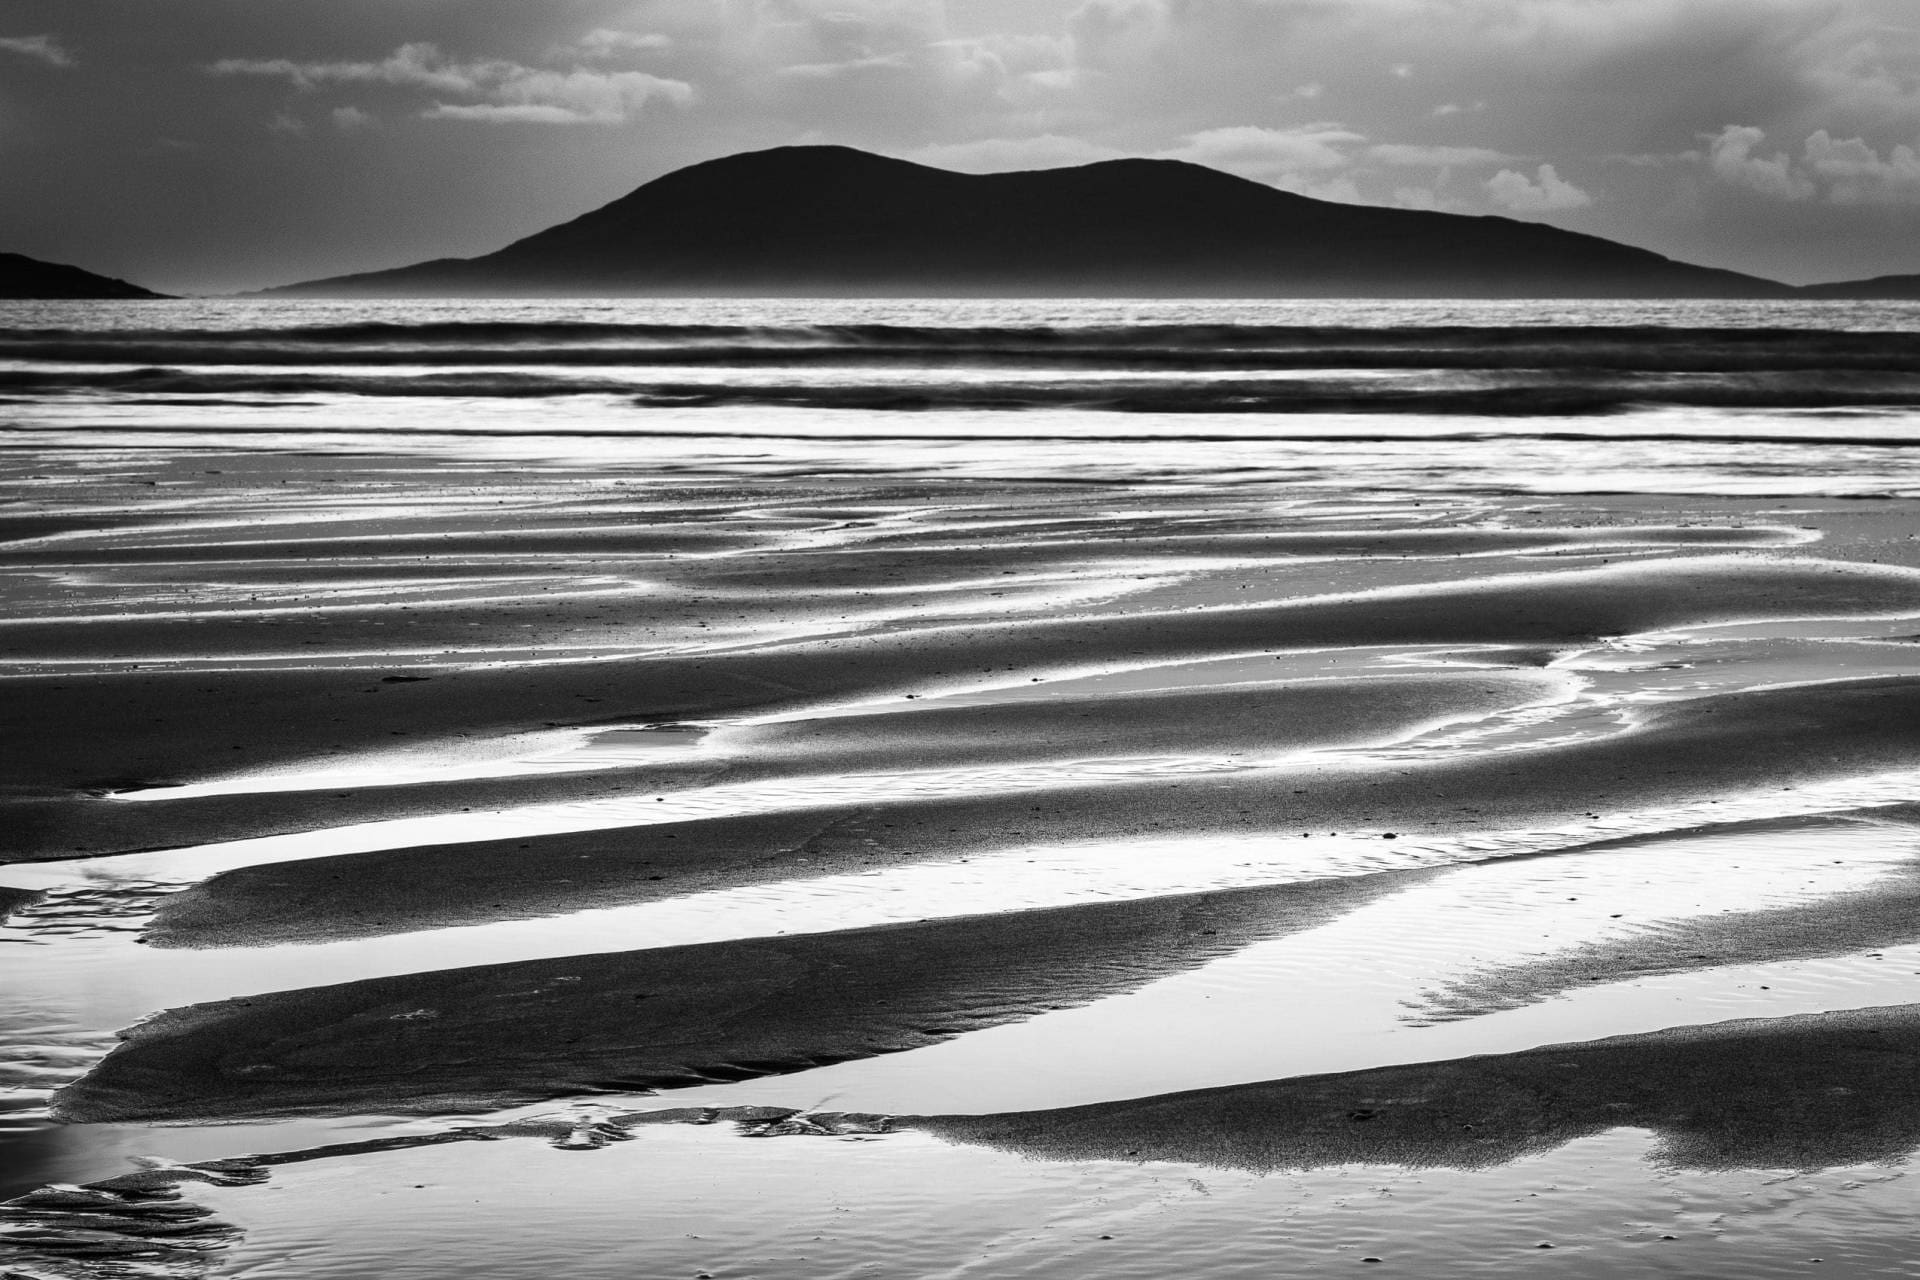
(24, 277)
(836, 221)
(1878, 289)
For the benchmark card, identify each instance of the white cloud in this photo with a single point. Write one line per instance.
(1536, 77)
(606, 42)
(506, 91)
(1854, 173)
(1002, 155)
(1655, 159)
(1269, 155)
(568, 97)
(495, 113)
(1311, 160)
(833, 70)
(1731, 158)
(44, 48)
(1868, 74)
(352, 118)
(411, 64)
(1846, 171)
(1326, 160)
(1308, 158)
(881, 73)
(1413, 156)
(1547, 192)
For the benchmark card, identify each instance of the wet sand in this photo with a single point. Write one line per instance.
(489, 1038)
(165, 720)
(1687, 752)
(1815, 1092)
(1800, 1094)
(399, 699)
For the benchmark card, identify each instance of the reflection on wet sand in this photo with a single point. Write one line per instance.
(1797, 1093)
(1812, 1092)
(1226, 822)
(482, 1039)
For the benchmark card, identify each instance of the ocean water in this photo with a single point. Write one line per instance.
(1714, 397)
(1109, 750)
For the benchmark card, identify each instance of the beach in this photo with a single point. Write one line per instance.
(1226, 789)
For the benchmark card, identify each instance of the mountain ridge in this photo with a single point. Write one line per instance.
(835, 221)
(1892, 288)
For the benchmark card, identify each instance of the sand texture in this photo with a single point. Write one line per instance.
(1147, 840)
(1832, 1089)
(480, 1039)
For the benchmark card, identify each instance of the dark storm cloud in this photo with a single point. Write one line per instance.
(224, 143)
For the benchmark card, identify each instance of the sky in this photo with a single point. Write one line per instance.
(215, 145)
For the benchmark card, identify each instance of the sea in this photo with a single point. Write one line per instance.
(1692, 396)
(992, 573)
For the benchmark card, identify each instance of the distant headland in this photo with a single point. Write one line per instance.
(24, 277)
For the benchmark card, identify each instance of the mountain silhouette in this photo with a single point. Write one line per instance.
(24, 277)
(1880, 288)
(826, 220)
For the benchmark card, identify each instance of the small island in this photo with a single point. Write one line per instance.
(832, 221)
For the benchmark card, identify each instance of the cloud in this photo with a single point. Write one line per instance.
(835, 70)
(44, 48)
(1847, 171)
(1281, 157)
(1731, 159)
(1002, 155)
(1269, 155)
(352, 118)
(1106, 35)
(1656, 159)
(891, 74)
(1547, 193)
(567, 97)
(496, 113)
(1326, 160)
(1311, 160)
(1533, 77)
(605, 42)
(411, 64)
(1867, 75)
(1412, 156)
(507, 91)
(1854, 173)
